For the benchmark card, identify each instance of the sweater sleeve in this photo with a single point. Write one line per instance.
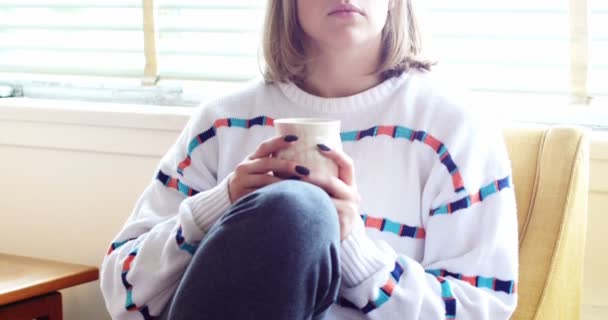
(469, 268)
(146, 259)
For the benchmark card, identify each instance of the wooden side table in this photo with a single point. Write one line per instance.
(28, 286)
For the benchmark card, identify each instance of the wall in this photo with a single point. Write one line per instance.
(72, 173)
(71, 176)
(595, 295)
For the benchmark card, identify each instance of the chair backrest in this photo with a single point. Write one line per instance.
(550, 175)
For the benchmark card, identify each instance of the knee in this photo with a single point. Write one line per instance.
(296, 195)
(297, 205)
(305, 200)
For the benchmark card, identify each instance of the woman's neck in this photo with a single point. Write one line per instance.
(341, 73)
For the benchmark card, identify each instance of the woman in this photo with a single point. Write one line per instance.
(424, 229)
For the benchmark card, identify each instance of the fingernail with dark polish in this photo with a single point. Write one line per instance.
(323, 147)
(302, 170)
(290, 138)
(294, 178)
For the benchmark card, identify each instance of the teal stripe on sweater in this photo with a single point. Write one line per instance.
(193, 145)
(446, 290)
(349, 136)
(241, 123)
(403, 132)
(129, 301)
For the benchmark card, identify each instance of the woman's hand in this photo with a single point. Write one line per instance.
(342, 189)
(256, 170)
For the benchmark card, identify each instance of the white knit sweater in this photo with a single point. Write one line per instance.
(438, 234)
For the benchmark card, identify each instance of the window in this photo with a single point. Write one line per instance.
(77, 37)
(516, 46)
(598, 49)
(209, 40)
(547, 49)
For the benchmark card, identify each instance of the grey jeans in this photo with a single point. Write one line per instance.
(273, 255)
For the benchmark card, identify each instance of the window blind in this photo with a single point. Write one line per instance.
(520, 46)
(72, 37)
(516, 46)
(598, 48)
(210, 40)
(492, 46)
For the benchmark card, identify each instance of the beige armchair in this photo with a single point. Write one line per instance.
(550, 175)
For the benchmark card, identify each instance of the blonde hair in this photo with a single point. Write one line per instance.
(284, 55)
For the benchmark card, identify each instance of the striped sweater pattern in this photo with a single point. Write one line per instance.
(437, 238)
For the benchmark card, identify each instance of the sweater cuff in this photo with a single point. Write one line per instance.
(208, 206)
(360, 256)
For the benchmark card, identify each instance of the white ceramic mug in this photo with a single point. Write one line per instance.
(310, 133)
